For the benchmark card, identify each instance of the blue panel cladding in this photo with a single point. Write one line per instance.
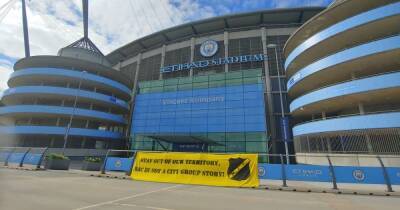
(237, 108)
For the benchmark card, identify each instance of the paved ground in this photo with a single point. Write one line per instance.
(72, 190)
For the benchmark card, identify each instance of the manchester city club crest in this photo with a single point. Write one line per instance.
(209, 48)
(261, 171)
(118, 163)
(358, 175)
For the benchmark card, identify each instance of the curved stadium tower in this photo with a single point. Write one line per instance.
(344, 80)
(48, 92)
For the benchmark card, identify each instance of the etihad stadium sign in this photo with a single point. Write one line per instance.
(213, 62)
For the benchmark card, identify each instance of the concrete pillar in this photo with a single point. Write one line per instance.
(353, 75)
(323, 115)
(328, 144)
(268, 88)
(52, 142)
(137, 73)
(226, 45)
(83, 142)
(192, 48)
(164, 47)
(369, 144)
(361, 108)
(127, 133)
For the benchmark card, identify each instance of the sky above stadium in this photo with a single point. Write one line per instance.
(55, 24)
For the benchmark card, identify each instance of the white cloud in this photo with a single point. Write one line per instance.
(5, 70)
(55, 24)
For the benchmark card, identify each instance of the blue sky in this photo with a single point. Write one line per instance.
(55, 24)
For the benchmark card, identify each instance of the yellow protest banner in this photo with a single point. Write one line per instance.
(238, 170)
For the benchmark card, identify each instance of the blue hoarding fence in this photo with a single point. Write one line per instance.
(374, 172)
(118, 161)
(21, 156)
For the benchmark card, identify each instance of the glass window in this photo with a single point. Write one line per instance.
(256, 136)
(236, 146)
(200, 85)
(234, 81)
(234, 75)
(257, 147)
(185, 86)
(170, 88)
(235, 137)
(200, 79)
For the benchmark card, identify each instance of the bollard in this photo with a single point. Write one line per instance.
(385, 175)
(128, 173)
(283, 171)
(8, 157)
(332, 171)
(21, 163)
(103, 168)
(41, 158)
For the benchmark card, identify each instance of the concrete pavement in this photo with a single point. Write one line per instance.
(71, 190)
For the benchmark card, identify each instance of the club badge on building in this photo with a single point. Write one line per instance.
(208, 48)
(358, 175)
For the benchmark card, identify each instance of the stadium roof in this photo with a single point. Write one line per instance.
(270, 18)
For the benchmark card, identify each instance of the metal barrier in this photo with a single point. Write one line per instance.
(371, 169)
(119, 161)
(329, 168)
(21, 156)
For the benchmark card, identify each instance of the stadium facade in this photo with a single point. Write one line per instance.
(211, 85)
(222, 85)
(79, 85)
(344, 80)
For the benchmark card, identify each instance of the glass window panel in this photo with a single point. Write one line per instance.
(157, 83)
(236, 147)
(256, 147)
(234, 81)
(216, 77)
(235, 137)
(218, 83)
(170, 88)
(200, 79)
(185, 86)
(200, 85)
(234, 75)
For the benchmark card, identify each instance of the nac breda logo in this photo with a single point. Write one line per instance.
(209, 48)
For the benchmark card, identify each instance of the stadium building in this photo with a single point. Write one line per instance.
(219, 85)
(75, 98)
(344, 81)
(212, 85)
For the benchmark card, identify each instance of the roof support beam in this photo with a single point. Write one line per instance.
(261, 18)
(141, 44)
(226, 23)
(193, 29)
(300, 16)
(165, 37)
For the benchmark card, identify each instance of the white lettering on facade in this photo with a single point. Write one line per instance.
(193, 100)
